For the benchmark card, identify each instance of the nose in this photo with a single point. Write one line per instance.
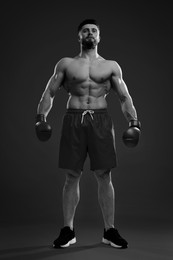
(90, 34)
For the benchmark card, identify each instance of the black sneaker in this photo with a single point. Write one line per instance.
(112, 237)
(66, 238)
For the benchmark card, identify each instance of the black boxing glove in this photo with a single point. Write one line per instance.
(132, 135)
(42, 128)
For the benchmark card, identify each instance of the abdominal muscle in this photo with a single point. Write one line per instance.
(86, 102)
(87, 96)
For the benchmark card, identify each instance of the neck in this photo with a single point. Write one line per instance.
(89, 53)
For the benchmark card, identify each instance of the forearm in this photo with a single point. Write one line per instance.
(45, 104)
(128, 109)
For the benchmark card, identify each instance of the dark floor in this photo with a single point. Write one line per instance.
(33, 241)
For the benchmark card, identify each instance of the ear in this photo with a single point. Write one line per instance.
(79, 37)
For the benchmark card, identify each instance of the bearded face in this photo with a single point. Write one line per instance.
(89, 36)
(89, 43)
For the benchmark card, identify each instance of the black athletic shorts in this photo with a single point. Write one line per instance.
(87, 132)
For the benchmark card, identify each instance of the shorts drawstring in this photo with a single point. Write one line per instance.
(85, 112)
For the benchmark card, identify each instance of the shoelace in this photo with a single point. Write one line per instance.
(85, 112)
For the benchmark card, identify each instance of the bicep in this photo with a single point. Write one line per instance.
(56, 80)
(118, 84)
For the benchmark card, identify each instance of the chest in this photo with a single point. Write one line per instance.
(84, 71)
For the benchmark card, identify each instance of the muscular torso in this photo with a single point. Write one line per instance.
(87, 82)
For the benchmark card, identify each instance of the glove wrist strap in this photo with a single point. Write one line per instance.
(135, 123)
(40, 118)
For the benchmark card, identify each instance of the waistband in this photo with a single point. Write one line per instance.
(81, 111)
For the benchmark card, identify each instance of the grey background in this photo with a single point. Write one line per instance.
(34, 37)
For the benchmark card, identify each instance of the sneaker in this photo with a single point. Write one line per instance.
(112, 237)
(66, 238)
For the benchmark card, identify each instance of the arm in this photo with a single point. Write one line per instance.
(119, 86)
(53, 84)
(131, 136)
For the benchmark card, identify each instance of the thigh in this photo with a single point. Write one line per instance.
(73, 147)
(102, 150)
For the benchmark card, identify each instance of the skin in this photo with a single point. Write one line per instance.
(88, 79)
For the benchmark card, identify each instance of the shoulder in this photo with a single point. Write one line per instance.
(62, 63)
(116, 69)
(113, 66)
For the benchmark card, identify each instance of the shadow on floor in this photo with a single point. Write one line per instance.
(41, 252)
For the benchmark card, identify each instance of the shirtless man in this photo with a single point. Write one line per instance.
(88, 128)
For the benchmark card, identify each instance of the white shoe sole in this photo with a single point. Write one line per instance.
(71, 242)
(107, 242)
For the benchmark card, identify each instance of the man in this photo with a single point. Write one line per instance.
(88, 128)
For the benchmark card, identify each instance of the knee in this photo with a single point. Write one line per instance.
(73, 175)
(103, 175)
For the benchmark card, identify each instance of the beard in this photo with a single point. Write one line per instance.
(89, 43)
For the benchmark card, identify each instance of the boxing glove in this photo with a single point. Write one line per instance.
(132, 135)
(42, 128)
